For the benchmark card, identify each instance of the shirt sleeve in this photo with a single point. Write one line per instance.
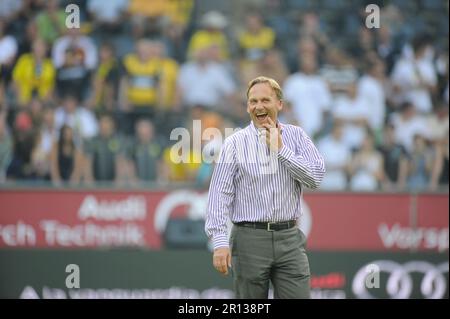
(306, 165)
(221, 196)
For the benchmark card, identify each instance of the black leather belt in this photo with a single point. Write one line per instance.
(269, 226)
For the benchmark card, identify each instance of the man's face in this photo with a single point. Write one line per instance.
(263, 103)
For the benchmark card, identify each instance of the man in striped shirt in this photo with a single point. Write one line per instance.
(257, 183)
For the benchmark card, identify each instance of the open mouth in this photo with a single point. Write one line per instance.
(261, 116)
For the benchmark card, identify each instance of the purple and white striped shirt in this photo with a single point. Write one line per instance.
(251, 183)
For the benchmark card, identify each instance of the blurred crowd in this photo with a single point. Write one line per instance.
(97, 104)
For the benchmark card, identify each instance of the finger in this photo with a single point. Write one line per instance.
(229, 260)
(223, 268)
(220, 264)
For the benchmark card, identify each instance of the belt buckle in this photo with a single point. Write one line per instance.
(268, 227)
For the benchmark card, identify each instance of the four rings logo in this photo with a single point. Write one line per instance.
(399, 284)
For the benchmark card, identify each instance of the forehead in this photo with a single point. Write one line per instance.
(261, 89)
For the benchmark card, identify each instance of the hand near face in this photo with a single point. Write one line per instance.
(273, 135)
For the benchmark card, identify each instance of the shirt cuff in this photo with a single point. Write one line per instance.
(220, 241)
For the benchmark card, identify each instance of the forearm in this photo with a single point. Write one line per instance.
(219, 206)
(308, 171)
(220, 201)
(221, 197)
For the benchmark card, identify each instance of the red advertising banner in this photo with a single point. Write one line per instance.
(378, 222)
(104, 218)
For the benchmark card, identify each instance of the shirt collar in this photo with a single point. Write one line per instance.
(255, 131)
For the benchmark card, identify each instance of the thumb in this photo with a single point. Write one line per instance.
(229, 260)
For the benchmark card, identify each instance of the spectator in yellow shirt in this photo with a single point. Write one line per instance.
(150, 76)
(34, 74)
(256, 38)
(176, 170)
(213, 24)
(178, 11)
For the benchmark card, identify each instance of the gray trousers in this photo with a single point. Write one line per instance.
(260, 256)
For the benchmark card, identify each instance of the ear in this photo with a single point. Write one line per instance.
(280, 105)
(248, 108)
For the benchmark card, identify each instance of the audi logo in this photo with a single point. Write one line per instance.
(399, 284)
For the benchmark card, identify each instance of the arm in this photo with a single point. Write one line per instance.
(78, 168)
(403, 167)
(221, 196)
(220, 201)
(435, 165)
(54, 169)
(307, 166)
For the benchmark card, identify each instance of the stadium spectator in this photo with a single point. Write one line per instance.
(386, 47)
(8, 54)
(51, 23)
(149, 83)
(371, 90)
(311, 28)
(80, 119)
(337, 156)
(210, 121)
(408, 123)
(108, 17)
(366, 167)
(35, 111)
(149, 77)
(270, 64)
(10, 10)
(395, 160)
(438, 123)
(211, 34)
(354, 113)
(23, 142)
(421, 165)
(414, 78)
(442, 165)
(255, 39)
(65, 159)
(177, 11)
(74, 55)
(6, 147)
(34, 74)
(309, 96)
(338, 71)
(145, 153)
(105, 154)
(28, 37)
(205, 82)
(75, 40)
(364, 45)
(167, 20)
(181, 162)
(105, 81)
(47, 136)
